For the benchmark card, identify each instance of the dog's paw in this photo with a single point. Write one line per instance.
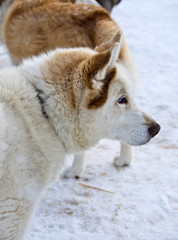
(121, 162)
(70, 173)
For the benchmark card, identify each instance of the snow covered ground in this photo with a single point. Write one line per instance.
(144, 202)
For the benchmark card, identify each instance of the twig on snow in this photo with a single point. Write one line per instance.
(100, 189)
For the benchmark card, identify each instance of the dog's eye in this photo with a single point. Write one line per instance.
(122, 100)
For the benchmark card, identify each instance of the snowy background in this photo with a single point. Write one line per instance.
(144, 202)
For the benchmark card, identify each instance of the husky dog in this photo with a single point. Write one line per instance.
(61, 102)
(33, 27)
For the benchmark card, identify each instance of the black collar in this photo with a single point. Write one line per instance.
(42, 103)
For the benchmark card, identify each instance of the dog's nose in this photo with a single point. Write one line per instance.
(154, 129)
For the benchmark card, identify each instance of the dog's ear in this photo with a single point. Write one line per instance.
(112, 54)
(100, 70)
(110, 57)
(106, 45)
(98, 66)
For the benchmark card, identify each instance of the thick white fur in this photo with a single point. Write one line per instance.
(31, 154)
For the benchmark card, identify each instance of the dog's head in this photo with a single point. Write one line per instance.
(87, 95)
(110, 96)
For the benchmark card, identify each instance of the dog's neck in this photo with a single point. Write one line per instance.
(51, 108)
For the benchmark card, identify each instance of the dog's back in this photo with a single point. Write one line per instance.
(47, 25)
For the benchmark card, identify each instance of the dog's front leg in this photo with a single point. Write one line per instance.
(125, 156)
(77, 167)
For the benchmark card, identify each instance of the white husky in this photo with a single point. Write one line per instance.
(58, 103)
(21, 16)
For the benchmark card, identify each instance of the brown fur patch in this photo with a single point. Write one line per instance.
(95, 64)
(60, 73)
(100, 98)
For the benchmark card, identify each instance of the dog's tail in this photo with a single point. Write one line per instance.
(4, 6)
